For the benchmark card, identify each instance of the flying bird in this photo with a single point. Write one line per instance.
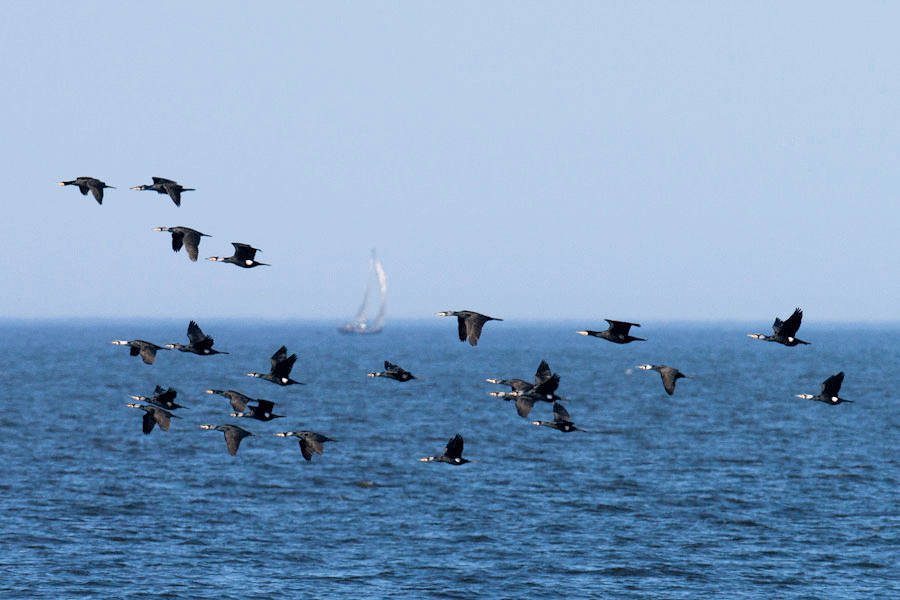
(162, 398)
(89, 184)
(784, 331)
(145, 349)
(452, 453)
(187, 237)
(829, 393)
(238, 400)
(281, 368)
(470, 323)
(261, 412)
(669, 375)
(392, 371)
(154, 415)
(244, 256)
(525, 395)
(561, 420)
(233, 435)
(617, 333)
(166, 186)
(200, 343)
(310, 441)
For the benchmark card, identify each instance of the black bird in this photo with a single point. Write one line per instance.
(784, 331)
(392, 371)
(524, 401)
(187, 237)
(544, 389)
(617, 332)
(452, 453)
(261, 412)
(517, 385)
(89, 184)
(166, 186)
(830, 389)
(145, 349)
(470, 323)
(281, 368)
(237, 399)
(244, 256)
(154, 415)
(669, 375)
(162, 398)
(561, 420)
(200, 343)
(541, 376)
(310, 441)
(233, 435)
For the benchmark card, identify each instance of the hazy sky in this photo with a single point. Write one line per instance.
(631, 160)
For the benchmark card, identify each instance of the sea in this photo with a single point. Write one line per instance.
(730, 488)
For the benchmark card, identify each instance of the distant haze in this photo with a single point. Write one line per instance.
(637, 161)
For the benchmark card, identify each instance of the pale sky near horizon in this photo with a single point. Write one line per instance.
(629, 160)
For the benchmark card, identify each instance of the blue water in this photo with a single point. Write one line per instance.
(731, 488)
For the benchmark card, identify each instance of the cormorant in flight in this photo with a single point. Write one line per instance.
(784, 331)
(233, 435)
(89, 184)
(669, 375)
(470, 323)
(166, 186)
(392, 371)
(452, 453)
(244, 256)
(187, 237)
(145, 349)
(617, 332)
(561, 420)
(154, 415)
(310, 441)
(200, 343)
(162, 398)
(281, 368)
(830, 389)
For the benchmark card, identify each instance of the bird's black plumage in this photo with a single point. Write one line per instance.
(261, 412)
(452, 453)
(164, 398)
(146, 350)
(162, 185)
(561, 420)
(187, 237)
(784, 332)
(154, 415)
(281, 368)
(309, 441)
(469, 323)
(89, 184)
(618, 332)
(669, 375)
(238, 400)
(831, 387)
(244, 256)
(546, 382)
(233, 435)
(392, 371)
(200, 343)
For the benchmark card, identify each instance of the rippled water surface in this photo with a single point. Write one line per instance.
(730, 488)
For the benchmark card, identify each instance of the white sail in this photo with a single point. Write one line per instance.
(360, 323)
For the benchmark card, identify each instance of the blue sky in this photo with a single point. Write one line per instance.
(639, 161)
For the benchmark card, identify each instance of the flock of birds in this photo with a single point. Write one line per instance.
(524, 394)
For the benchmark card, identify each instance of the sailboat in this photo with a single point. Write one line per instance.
(360, 323)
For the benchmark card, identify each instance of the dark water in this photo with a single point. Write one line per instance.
(731, 488)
